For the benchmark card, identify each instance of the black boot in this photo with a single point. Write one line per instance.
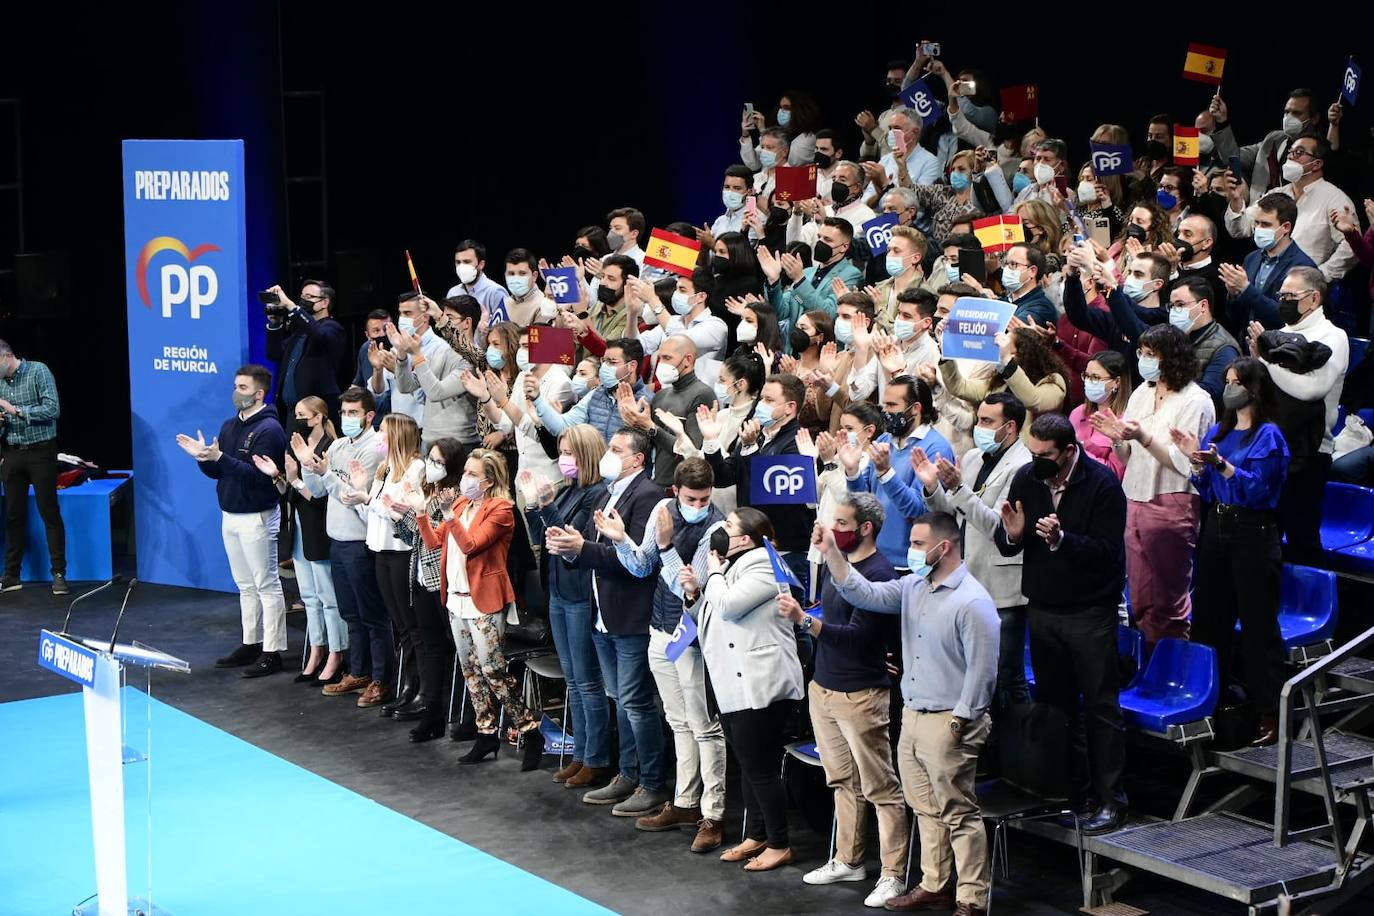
(408, 691)
(245, 654)
(484, 745)
(431, 726)
(532, 750)
(417, 708)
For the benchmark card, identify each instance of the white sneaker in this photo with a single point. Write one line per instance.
(834, 871)
(885, 890)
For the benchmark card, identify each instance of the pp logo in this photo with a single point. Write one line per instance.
(1351, 81)
(783, 481)
(558, 286)
(879, 236)
(195, 284)
(1104, 160)
(47, 651)
(922, 103)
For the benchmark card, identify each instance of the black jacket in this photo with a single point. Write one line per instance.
(791, 523)
(322, 355)
(626, 601)
(309, 515)
(1088, 569)
(571, 508)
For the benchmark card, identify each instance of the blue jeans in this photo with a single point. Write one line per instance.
(625, 671)
(1012, 688)
(589, 718)
(360, 605)
(315, 580)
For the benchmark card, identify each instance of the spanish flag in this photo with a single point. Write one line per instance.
(414, 278)
(672, 252)
(998, 233)
(1186, 148)
(1204, 64)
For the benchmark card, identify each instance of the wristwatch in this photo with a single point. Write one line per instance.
(956, 724)
(806, 622)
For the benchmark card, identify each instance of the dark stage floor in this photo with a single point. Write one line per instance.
(525, 819)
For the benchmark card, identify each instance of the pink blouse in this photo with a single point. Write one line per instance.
(1094, 443)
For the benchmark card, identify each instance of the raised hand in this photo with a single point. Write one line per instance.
(531, 387)
(1107, 423)
(1187, 442)
(830, 358)
(265, 464)
(838, 287)
(714, 563)
(376, 355)
(196, 447)
(766, 355)
(787, 364)
(824, 540)
(926, 470)
(769, 264)
(474, 385)
(496, 385)
(749, 432)
(687, 578)
(736, 305)
(951, 477)
(300, 448)
(805, 445)
(793, 266)
(291, 467)
(709, 422)
(926, 373)
(670, 421)
(1048, 529)
(1234, 277)
(412, 496)
(850, 456)
(866, 122)
(1344, 220)
(789, 608)
(663, 527)
(826, 446)
(358, 475)
(610, 525)
(880, 453)
(1013, 520)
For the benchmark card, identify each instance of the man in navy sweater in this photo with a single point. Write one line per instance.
(245, 462)
(1068, 514)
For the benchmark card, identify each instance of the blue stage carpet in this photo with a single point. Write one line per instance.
(236, 830)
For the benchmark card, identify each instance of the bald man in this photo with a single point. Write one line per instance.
(680, 392)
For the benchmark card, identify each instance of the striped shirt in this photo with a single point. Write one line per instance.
(32, 390)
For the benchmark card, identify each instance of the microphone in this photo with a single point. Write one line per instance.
(120, 619)
(99, 588)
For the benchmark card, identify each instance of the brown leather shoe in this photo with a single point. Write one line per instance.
(968, 909)
(349, 684)
(709, 835)
(376, 694)
(669, 817)
(743, 851)
(1268, 731)
(568, 771)
(589, 776)
(918, 898)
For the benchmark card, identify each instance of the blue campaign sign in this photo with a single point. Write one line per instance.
(62, 656)
(683, 636)
(782, 479)
(560, 283)
(187, 293)
(918, 97)
(972, 326)
(878, 232)
(1350, 81)
(1111, 159)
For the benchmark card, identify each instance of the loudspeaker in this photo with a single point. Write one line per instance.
(43, 284)
(360, 281)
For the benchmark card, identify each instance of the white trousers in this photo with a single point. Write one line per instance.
(698, 739)
(250, 540)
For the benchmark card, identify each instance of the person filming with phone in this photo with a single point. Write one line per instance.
(306, 343)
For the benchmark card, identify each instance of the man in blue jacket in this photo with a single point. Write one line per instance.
(245, 461)
(1255, 289)
(308, 345)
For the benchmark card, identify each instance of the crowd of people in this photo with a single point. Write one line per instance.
(1156, 422)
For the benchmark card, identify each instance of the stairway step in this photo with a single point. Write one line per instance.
(1350, 758)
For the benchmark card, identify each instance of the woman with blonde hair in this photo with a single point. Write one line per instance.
(403, 466)
(571, 615)
(1042, 226)
(475, 539)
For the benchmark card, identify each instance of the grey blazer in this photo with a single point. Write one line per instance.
(750, 649)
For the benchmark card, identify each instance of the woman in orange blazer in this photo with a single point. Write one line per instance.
(475, 537)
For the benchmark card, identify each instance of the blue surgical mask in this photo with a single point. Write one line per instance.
(1264, 238)
(1135, 288)
(406, 324)
(1011, 279)
(916, 562)
(494, 358)
(522, 359)
(1019, 182)
(693, 514)
(764, 414)
(784, 117)
(722, 394)
(952, 273)
(894, 265)
(1165, 199)
(767, 158)
(682, 303)
(579, 386)
(608, 377)
(844, 331)
(986, 439)
(1149, 368)
(903, 329)
(1095, 390)
(351, 426)
(959, 181)
(1181, 319)
(518, 284)
(733, 200)
(853, 438)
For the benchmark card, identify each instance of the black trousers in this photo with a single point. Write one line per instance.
(756, 737)
(431, 622)
(20, 467)
(1074, 654)
(1239, 565)
(1300, 510)
(393, 581)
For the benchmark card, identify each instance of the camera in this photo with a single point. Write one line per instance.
(271, 303)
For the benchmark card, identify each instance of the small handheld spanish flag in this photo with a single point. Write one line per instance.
(672, 252)
(414, 278)
(998, 233)
(1204, 64)
(1186, 145)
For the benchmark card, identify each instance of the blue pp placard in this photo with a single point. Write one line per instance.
(1111, 159)
(919, 98)
(782, 479)
(972, 328)
(683, 636)
(878, 232)
(1350, 81)
(70, 659)
(187, 292)
(560, 284)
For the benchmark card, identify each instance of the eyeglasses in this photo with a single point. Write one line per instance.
(1300, 153)
(1294, 297)
(1178, 304)
(1096, 378)
(305, 297)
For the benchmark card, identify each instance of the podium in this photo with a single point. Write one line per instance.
(99, 667)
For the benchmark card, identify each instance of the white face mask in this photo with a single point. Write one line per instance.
(1087, 192)
(1044, 174)
(611, 466)
(466, 273)
(1292, 171)
(1205, 144)
(1292, 124)
(746, 332)
(666, 374)
(435, 471)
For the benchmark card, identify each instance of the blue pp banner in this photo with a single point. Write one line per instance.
(972, 327)
(62, 656)
(782, 479)
(683, 636)
(878, 232)
(781, 571)
(187, 293)
(1111, 159)
(1350, 81)
(560, 283)
(918, 97)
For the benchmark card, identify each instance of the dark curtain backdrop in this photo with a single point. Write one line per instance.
(516, 124)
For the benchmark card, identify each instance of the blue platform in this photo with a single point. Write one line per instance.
(222, 840)
(86, 516)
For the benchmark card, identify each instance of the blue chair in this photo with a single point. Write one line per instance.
(1130, 643)
(1347, 516)
(1181, 685)
(1307, 606)
(1358, 346)
(1030, 672)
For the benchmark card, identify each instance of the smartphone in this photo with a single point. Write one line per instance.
(267, 297)
(751, 205)
(1237, 169)
(972, 262)
(901, 144)
(749, 110)
(1100, 230)
(967, 88)
(1062, 183)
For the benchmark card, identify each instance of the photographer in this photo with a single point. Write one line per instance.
(306, 344)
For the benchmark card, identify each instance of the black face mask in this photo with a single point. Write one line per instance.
(1185, 250)
(840, 193)
(1156, 151)
(800, 341)
(581, 253)
(823, 161)
(606, 296)
(823, 252)
(1290, 311)
(1135, 232)
(720, 266)
(302, 427)
(935, 323)
(897, 423)
(1044, 468)
(720, 542)
(893, 90)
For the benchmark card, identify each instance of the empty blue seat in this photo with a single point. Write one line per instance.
(1180, 685)
(1307, 606)
(1130, 643)
(1347, 516)
(1358, 346)
(1356, 560)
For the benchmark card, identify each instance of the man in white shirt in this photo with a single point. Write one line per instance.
(734, 190)
(414, 320)
(1050, 162)
(921, 164)
(829, 154)
(526, 303)
(772, 152)
(470, 261)
(1303, 173)
(688, 315)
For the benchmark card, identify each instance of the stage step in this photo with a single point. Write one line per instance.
(1354, 674)
(1350, 759)
(1225, 854)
